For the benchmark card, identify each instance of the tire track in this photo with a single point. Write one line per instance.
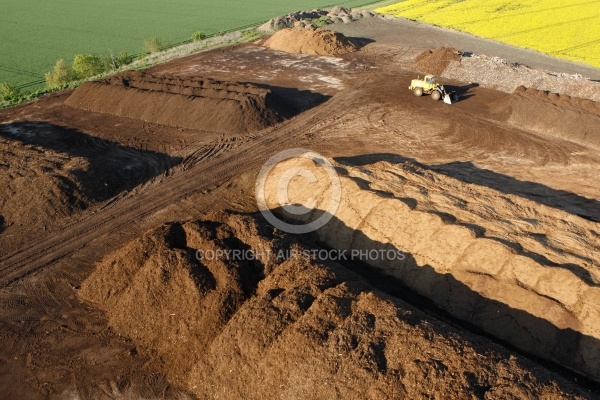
(128, 213)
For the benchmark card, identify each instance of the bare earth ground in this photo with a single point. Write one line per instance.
(102, 298)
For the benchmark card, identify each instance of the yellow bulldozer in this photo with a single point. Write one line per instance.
(429, 86)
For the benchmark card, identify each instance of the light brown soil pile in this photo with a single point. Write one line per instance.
(435, 61)
(530, 294)
(319, 42)
(571, 118)
(290, 327)
(196, 103)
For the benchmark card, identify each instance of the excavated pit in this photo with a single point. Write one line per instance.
(195, 103)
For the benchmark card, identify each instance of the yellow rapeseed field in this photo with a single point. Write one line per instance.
(562, 28)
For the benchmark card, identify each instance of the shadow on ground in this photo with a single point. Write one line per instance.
(360, 42)
(113, 168)
(463, 92)
(296, 100)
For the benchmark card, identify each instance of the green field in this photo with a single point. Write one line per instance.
(35, 33)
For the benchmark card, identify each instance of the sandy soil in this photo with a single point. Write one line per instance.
(317, 42)
(497, 213)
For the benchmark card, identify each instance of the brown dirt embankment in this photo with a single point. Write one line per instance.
(196, 103)
(531, 294)
(287, 326)
(567, 117)
(320, 42)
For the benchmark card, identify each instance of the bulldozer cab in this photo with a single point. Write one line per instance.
(430, 79)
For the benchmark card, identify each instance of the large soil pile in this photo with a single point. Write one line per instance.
(435, 61)
(48, 172)
(310, 41)
(285, 326)
(571, 118)
(534, 294)
(196, 103)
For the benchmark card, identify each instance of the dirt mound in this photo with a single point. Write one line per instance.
(32, 198)
(170, 295)
(196, 103)
(285, 325)
(533, 297)
(571, 118)
(435, 61)
(319, 42)
(49, 172)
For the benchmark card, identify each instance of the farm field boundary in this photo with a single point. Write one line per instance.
(35, 34)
